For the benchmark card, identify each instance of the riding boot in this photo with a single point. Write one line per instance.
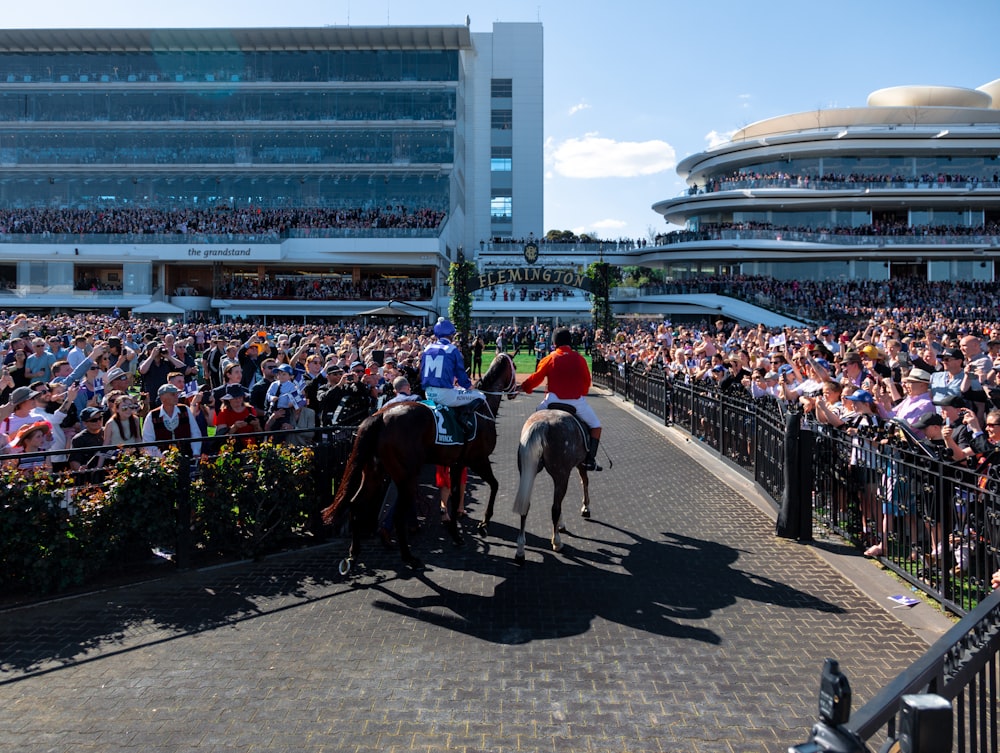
(590, 462)
(467, 419)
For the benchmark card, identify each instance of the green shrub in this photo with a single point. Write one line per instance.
(42, 544)
(249, 499)
(136, 508)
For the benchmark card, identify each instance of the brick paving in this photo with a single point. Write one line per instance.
(672, 621)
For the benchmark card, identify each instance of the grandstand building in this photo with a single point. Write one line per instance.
(244, 172)
(908, 186)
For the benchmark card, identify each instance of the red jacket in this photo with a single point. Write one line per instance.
(567, 372)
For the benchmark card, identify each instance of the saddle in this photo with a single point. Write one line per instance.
(567, 408)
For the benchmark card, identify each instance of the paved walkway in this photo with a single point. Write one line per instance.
(672, 621)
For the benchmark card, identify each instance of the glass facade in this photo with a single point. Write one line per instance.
(210, 103)
(358, 129)
(230, 66)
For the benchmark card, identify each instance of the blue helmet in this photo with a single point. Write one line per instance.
(444, 328)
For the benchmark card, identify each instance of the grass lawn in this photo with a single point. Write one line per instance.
(524, 361)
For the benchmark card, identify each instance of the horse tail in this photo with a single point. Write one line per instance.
(362, 455)
(529, 458)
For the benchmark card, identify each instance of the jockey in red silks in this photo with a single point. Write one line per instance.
(568, 382)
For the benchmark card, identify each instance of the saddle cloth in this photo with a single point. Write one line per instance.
(449, 431)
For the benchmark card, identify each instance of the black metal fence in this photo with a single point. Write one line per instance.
(938, 524)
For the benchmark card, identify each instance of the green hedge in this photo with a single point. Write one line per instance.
(246, 501)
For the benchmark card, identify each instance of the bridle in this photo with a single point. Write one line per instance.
(511, 390)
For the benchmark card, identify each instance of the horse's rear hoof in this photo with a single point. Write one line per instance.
(413, 563)
(519, 560)
(483, 528)
(585, 512)
(345, 566)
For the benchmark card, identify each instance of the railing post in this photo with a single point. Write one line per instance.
(182, 556)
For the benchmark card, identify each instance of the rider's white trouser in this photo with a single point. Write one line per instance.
(452, 397)
(583, 409)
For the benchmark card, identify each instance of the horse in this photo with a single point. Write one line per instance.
(555, 440)
(397, 441)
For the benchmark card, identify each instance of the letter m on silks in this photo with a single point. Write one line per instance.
(433, 366)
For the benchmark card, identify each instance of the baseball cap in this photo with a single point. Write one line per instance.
(950, 400)
(165, 388)
(952, 353)
(89, 414)
(928, 419)
(860, 396)
(285, 369)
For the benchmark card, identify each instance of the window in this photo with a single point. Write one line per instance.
(501, 120)
(501, 88)
(500, 159)
(501, 208)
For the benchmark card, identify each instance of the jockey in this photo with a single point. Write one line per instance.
(441, 368)
(568, 382)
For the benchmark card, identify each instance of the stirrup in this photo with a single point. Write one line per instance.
(590, 465)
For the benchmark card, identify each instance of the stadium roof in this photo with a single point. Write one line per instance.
(236, 40)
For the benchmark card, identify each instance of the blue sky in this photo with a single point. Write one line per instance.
(631, 87)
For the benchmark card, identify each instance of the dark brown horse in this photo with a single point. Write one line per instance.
(400, 439)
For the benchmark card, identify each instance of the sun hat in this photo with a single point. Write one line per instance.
(917, 375)
(21, 395)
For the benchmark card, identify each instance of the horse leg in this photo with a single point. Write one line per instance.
(519, 554)
(485, 472)
(406, 494)
(585, 481)
(557, 497)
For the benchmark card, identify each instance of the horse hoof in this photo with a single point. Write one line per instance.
(413, 563)
(557, 546)
(345, 566)
(457, 540)
(483, 528)
(585, 512)
(519, 560)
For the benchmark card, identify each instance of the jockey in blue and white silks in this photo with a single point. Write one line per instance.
(442, 368)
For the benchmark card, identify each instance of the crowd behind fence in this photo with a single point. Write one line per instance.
(940, 521)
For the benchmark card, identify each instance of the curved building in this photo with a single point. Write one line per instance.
(908, 186)
(281, 171)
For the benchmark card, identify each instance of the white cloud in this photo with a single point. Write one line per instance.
(577, 107)
(608, 224)
(714, 138)
(595, 157)
(745, 100)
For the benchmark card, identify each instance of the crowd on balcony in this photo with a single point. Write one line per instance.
(728, 230)
(219, 220)
(832, 180)
(325, 287)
